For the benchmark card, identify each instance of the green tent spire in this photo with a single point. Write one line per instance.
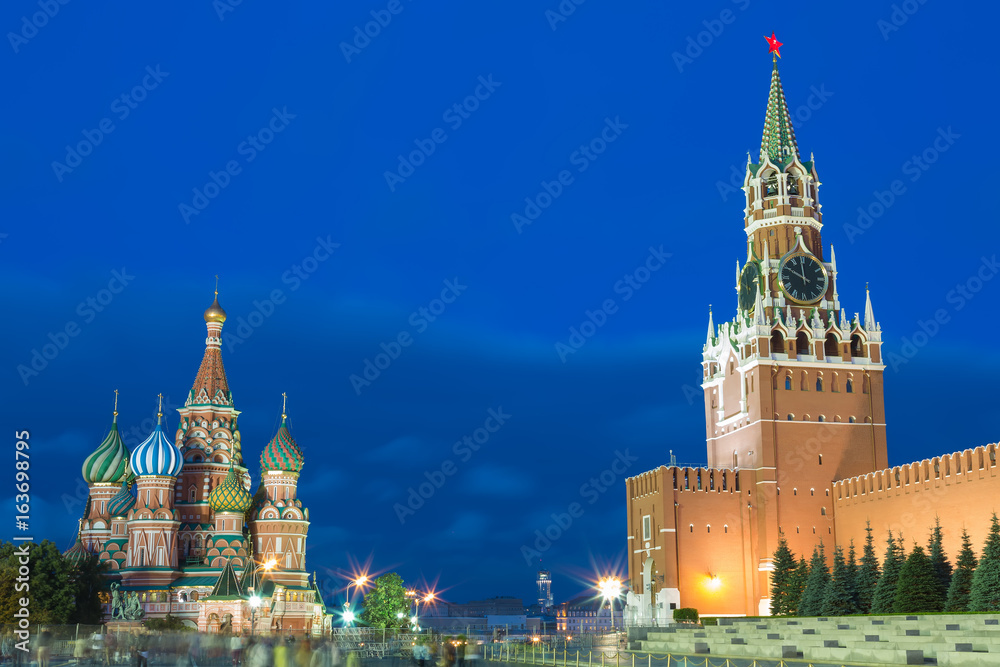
(778, 142)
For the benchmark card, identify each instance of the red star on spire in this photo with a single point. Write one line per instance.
(774, 44)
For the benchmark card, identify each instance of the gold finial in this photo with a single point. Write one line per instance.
(710, 308)
(284, 399)
(159, 409)
(216, 284)
(866, 286)
(116, 406)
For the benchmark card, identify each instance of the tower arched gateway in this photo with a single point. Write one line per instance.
(177, 523)
(774, 377)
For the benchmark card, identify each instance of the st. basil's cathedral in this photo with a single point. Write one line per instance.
(177, 525)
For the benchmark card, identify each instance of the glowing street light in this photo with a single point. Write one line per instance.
(610, 589)
(348, 617)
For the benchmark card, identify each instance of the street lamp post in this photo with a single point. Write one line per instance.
(348, 614)
(416, 595)
(254, 603)
(610, 589)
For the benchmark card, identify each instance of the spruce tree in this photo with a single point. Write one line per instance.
(985, 592)
(852, 576)
(799, 578)
(782, 579)
(811, 603)
(885, 590)
(838, 598)
(961, 580)
(917, 590)
(939, 560)
(868, 573)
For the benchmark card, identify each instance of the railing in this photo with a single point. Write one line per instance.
(556, 658)
(770, 213)
(798, 210)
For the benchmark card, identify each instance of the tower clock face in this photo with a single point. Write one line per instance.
(803, 278)
(748, 286)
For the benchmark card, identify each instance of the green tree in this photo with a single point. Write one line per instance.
(884, 596)
(798, 585)
(939, 560)
(985, 592)
(782, 579)
(811, 603)
(852, 575)
(961, 580)
(87, 580)
(838, 597)
(917, 590)
(385, 602)
(868, 573)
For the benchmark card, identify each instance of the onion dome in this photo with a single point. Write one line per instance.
(215, 313)
(121, 502)
(230, 495)
(77, 553)
(282, 453)
(108, 463)
(156, 455)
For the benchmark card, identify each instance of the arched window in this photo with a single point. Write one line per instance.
(725, 528)
(192, 494)
(850, 420)
(830, 347)
(804, 381)
(857, 347)
(821, 456)
(819, 383)
(812, 492)
(850, 386)
(708, 528)
(791, 417)
(736, 463)
(771, 185)
(777, 343)
(821, 418)
(795, 492)
(691, 527)
(835, 382)
(788, 382)
(801, 343)
(793, 185)
(822, 511)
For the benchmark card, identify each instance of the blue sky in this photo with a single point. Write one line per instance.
(254, 142)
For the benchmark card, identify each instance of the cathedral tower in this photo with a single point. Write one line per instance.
(209, 441)
(280, 522)
(103, 471)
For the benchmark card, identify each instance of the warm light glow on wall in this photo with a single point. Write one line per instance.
(713, 583)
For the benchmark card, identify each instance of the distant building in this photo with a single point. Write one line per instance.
(498, 606)
(586, 614)
(545, 589)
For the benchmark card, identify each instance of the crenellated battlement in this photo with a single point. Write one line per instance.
(684, 479)
(967, 466)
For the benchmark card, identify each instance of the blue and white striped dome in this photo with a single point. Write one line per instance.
(156, 456)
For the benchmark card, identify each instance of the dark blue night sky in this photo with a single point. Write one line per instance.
(547, 160)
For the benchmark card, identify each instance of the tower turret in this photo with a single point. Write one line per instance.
(102, 471)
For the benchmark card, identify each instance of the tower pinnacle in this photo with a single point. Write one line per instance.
(210, 385)
(778, 141)
(869, 323)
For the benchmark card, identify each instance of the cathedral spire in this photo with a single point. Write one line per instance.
(210, 385)
(778, 142)
(711, 327)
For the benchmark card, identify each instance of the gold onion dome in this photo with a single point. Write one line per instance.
(215, 313)
(108, 464)
(230, 495)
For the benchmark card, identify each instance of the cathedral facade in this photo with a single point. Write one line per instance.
(795, 421)
(178, 525)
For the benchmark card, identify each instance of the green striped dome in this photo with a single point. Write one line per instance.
(282, 453)
(107, 464)
(230, 496)
(122, 501)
